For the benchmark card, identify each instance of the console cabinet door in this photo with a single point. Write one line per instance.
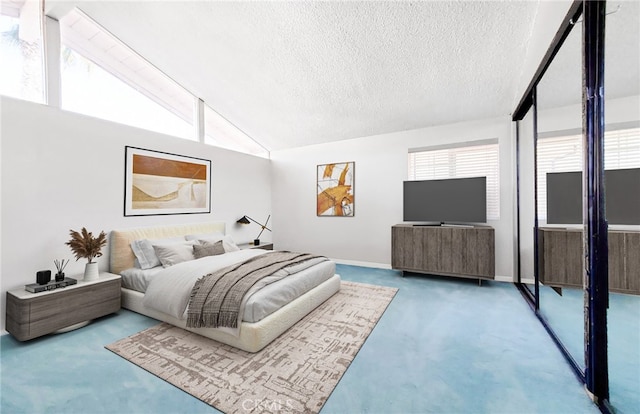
(400, 256)
(561, 252)
(632, 261)
(444, 250)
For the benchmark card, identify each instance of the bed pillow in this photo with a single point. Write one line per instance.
(208, 249)
(210, 237)
(138, 279)
(227, 242)
(171, 254)
(145, 254)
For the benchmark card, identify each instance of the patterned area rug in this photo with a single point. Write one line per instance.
(295, 373)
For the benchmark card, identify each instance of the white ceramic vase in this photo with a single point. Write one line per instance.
(91, 271)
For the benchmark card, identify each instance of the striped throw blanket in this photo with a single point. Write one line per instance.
(216, 297)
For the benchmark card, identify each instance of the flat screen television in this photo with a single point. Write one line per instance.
(454, 200)
(622, 197)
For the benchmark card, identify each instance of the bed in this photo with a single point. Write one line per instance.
(260, 324)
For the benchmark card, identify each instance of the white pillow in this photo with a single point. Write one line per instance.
(171, 254)
(138, 279)
(227, 242)
(146, 255)
(214, 237)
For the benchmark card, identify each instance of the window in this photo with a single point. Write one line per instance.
(563, 153)
(221, 133)
(467, 160)
(21, 70)
(102, 77)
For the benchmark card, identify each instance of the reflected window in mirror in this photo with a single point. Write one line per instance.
(562, 152)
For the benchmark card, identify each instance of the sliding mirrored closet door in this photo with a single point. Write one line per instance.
(622, 152)
(559, 125)
(559, 196)
(526, 201)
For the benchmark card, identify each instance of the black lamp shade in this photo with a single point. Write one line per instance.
(243, 220)
(248, 220)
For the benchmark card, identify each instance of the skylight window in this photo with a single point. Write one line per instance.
(102, 77)
(21, 67)
(221, 133)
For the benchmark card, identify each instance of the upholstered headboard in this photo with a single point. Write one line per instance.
(121, 256)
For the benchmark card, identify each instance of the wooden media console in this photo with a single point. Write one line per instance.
(459, 251)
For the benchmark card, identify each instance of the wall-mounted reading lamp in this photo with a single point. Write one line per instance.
(248, 220)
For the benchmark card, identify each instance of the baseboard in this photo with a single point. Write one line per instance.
(363, 264)
(507, 279)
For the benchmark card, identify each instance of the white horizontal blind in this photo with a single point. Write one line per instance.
(622, 149)
(564, 153)
(461, 162)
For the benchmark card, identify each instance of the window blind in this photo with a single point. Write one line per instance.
(461, 162)
(564, 153)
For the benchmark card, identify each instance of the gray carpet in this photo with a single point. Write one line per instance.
(295, 373)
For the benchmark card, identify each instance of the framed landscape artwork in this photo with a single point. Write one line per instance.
(162, 183)
(335, 189)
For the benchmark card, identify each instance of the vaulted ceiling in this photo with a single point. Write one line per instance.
(297, 73)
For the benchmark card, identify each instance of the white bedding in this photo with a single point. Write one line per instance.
(169, 290)
(138, 279)
(282, 310)
(274, 296)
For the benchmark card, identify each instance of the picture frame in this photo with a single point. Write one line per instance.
(160, 183)
(335, 189)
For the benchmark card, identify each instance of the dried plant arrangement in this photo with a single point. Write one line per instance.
(84, 245)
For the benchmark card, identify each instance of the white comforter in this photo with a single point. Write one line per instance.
(170, 290)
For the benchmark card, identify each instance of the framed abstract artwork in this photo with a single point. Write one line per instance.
(162, 183)
(335, 189)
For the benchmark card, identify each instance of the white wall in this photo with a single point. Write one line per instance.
(380, 169)
(616, 111)
(62, 171)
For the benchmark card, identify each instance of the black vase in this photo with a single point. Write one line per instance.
(59, 277)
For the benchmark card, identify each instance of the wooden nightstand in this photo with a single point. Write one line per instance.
(30, 315)
(265, 246)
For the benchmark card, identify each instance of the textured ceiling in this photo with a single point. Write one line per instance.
(297, 73)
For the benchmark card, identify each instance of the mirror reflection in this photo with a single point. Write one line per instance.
(559, 166)
(622, 152)
(526, 130)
